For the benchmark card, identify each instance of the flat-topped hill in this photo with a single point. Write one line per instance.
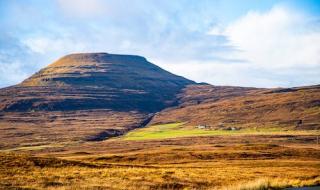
(96, 81)
(106, 70)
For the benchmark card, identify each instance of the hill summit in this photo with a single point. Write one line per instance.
(105, 70)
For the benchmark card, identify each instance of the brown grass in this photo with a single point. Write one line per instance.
(194, 176)
(58, 129)
(223, 107)
(273, 183)
(205, 163)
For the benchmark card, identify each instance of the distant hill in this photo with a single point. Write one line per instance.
(225, 107)
(93, 96)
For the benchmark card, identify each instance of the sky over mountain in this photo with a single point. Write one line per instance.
(223, 42)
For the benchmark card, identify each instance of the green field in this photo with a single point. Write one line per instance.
(174, 130)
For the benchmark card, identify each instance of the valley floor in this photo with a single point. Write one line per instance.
(243, 161)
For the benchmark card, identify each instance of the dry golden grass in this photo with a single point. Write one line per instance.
(197, 176)
(273, 183)
(203, 164)
(221, 107)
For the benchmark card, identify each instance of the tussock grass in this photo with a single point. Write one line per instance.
(23, 171)
(229, 162)
(273, 183)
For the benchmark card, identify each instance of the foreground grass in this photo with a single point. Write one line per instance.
(24, 172)
(272, 183)
(223, 162)
(175, 130)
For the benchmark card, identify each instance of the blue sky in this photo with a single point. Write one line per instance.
(261, 43)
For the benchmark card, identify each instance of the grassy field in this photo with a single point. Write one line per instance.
(175, 130)
(232, 167)
(171, 156)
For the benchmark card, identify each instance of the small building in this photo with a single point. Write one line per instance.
(231, 128)
(201, 127)
(234, 129)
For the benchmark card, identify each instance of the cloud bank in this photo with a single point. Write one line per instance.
(280, 47)
(277, 47)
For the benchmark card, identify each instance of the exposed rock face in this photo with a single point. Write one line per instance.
(95, 81)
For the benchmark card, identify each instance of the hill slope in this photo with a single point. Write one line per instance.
(223, 107)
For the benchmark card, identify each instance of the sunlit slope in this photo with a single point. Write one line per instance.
(221, 107)
(178, 130)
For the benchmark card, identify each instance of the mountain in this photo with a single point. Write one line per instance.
(87, 96)
(94, 96)
(96, 81)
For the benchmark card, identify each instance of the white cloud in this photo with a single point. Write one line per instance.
(12, 73)
(282, 48)
(13, 58)
(277, 39)
(219, 73)
(44, 45)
